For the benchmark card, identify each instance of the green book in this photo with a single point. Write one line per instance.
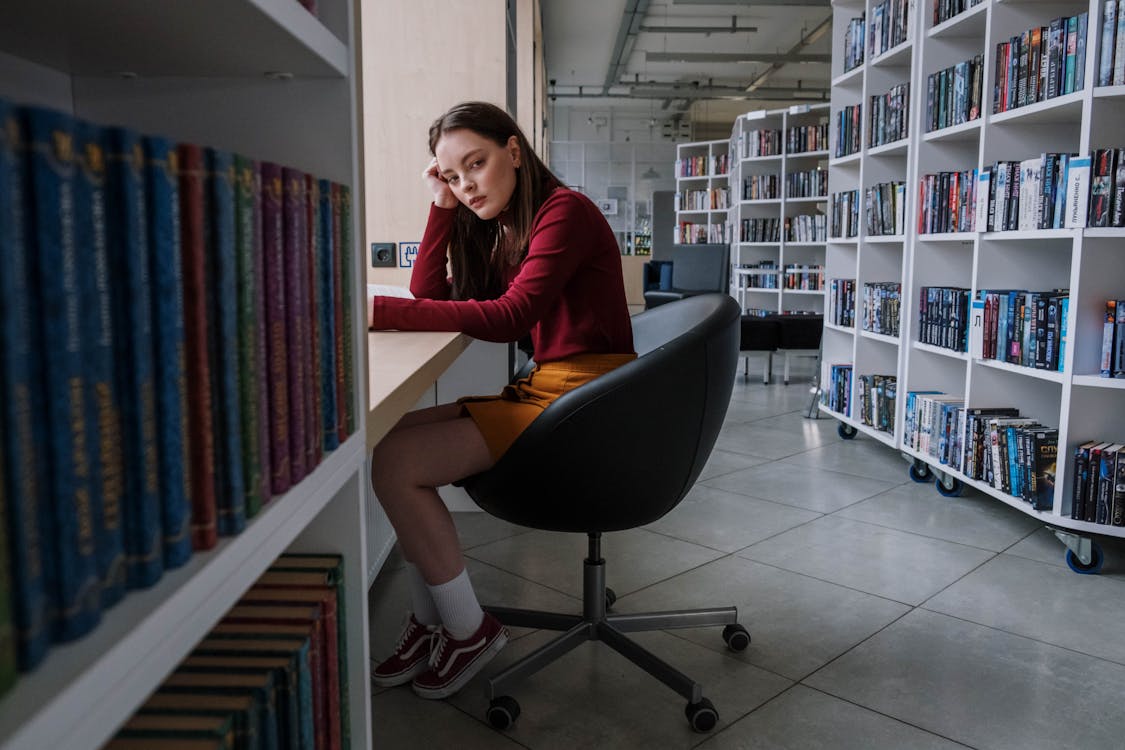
(284, 669)
(246, 239)
(215, 727)
(163, 743)
(241, 709)
(259, 685)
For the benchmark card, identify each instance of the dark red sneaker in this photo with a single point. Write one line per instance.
(453, 662)
(410, 658)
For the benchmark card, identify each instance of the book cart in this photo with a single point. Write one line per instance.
(702, 195)
(1086, 261)
(263, 78)
(761, 249)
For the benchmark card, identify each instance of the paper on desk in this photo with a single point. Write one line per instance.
(383, 290)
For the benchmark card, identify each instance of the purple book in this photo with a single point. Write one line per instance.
(296, 299)
(260, 358)
(277, 350)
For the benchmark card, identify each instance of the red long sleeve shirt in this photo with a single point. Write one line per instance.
(568, 292)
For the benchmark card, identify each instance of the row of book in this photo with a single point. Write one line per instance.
(954, 94)
(755, 143)
(812, 183)
(845, 214)
(947, 9)
(1041, 63)
(889, 116)
(889, 26)
(837, 392)
(177, 350)
(1111, 63)
(803, 139)
(943, 317)
(803, 276)
(757, 187)
(1021, 327)
(1028, 194)
(715, 199)
(759, 230)
(691, 233)
(806, 228)
(848, 130)
(885, 208)
(841, 302)
(271, 675)
(854, 45)
(714, 165)
(1107, 188)
(947, 202)
(767, 279)
(1098, 491)
(876, 398)
(1112, 363)
(882, 301)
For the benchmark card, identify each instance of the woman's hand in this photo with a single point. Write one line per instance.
(443, 196)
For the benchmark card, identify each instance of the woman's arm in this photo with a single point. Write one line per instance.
(429, 279)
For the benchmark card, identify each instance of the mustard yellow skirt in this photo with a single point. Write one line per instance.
(502, 418)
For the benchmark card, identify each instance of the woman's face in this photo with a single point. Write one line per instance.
(481, 173)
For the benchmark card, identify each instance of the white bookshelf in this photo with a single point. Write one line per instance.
(273, 83)
(702, 196)
(783, 252)
(1081, 404)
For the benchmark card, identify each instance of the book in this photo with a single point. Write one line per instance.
(1108, 42)
(1119, 46)
(284, 672)
(1107, 480)
(76, 588)
(259, 685)
(1077, 191)
(166, 271)
(327, 274)
(314, 415)
(343, 313)
(347, 302)
(1102, 171)
(223, 341)
(241, 709)
(164, 743)
(1043, 465)
(193, 245)
(297, 309)
(103, 409)
(261, 332)
(277, 351)
(1081, 481)
(1109, 338)
(179, 726)
(246, 237)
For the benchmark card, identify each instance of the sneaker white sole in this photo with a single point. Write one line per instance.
(402, 677)
(467, 673)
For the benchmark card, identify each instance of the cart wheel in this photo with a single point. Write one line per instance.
(702, 716)
(736, 637)
(1096, 560)
(503, 712)
(948, 486)
(920, 472)
(610, 598)
(846, 431)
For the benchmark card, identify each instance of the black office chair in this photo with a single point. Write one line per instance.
(614, 454)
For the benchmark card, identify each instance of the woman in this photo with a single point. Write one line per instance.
(528, 256)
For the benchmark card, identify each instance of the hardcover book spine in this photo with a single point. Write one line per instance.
(8, 661)
(21, 403)
(166, 270)
(77, 589)
(296, 326)
(347, 302)
(103, 410)
(1117, 510)
(245, 233)
(328, 314)
(201, 451)
(312, 252)
(261, 331)
(340, 310)
(273, 255)
(230, 491)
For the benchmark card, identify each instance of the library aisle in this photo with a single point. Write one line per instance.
(883, 615)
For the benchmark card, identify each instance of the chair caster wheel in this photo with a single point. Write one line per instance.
(702, 716)
(948, 486)
(736, 637)
(1096, 561)
(920, 472)
(503, 712)
(846, 431)
(610, 598)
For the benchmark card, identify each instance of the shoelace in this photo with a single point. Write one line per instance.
(437, 647)
(407, 633)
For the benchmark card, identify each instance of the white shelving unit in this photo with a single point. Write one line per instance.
(706, 191)
(262, 78)
(774, 296)
(1089, 262)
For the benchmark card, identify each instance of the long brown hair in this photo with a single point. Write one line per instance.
(478, 253)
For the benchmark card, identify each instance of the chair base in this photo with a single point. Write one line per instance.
(594, 624)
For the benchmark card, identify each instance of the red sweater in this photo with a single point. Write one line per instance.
(568, 292)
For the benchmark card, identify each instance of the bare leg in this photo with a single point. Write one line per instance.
(425, 450)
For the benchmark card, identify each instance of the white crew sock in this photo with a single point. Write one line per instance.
(424, 610)
(458, 607)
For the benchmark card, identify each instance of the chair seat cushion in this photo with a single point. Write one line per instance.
(758, 334)
(799, 331)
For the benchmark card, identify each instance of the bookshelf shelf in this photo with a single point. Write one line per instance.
(764, 159)
(805, 244)
(1028, 372)
(822, 154)
(1117, 232)
(1067, 108)
(941, 351)
(853, 77)
(967, 23)
(840, 161)
(813, 199)
(966, 131)
(693, 178)
(843, 240)
(1030, 234)
(1109, 92)
(1097, 381)
(761, 202)
(898, 55)
(841, 329)
(812, 292)
(758, 244)
(880, 337)
(895, 148)
(962, 237)
(882, 437)
(885, 239)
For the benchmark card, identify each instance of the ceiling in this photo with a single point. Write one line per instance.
(652, 55)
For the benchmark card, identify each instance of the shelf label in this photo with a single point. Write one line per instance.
(407, 252)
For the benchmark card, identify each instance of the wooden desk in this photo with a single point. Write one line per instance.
(401, 365)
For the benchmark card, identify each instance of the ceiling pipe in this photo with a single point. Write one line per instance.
(627, 29)
(806, 40)
(734, 28)
(737, 57)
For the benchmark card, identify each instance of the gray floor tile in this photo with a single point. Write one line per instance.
(881, 561)
(795, 422)
(745, 411)
(981, 686)
(975, 519)
(1044, 547)
(403, 721)
(724, 462)
(634, 558)
(728, 521)
(803, 486)
(861, 456)
(1043, 602)
(797, 624)
(752, 439)
(594, 698)
(804, 719)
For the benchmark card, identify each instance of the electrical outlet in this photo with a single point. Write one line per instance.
(383, 255)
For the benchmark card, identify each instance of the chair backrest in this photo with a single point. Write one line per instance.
(701, 267)
(624, 449)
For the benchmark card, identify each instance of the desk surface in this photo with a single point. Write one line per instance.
(401, 365)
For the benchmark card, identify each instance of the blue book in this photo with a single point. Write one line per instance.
(166, 271)
(326, 274)
(222, 325)
(133, 348)
(1064, 313)
(76, 590)
(21, 403)
(103, 407)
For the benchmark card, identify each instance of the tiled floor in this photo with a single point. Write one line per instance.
(883, 615)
